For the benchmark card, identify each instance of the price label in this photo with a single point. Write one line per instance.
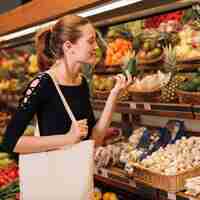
(133, 105)
(147, 106)
(104, 173)
(171, 196)
(132, 183)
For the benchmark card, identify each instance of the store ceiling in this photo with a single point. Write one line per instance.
(37, 11)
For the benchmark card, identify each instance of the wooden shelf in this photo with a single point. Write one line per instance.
(182, 194)
(196, 111)
(114, 183)
(122, 182)
(148, 108)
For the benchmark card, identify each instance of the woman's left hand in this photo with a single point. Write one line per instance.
(122, 82)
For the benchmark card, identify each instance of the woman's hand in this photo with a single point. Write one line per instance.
(122, 83)
(79, 130)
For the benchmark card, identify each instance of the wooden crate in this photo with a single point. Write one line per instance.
(173, 183)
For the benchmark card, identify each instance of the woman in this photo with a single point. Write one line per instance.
(71, 43)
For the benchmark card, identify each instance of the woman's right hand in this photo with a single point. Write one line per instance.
(79, 130)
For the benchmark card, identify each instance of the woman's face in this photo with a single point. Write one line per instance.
(84, 49)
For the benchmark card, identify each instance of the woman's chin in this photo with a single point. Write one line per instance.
(92, 61)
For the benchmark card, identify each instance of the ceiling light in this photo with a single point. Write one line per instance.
(90, 12)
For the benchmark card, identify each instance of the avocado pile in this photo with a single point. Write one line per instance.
(191, 85)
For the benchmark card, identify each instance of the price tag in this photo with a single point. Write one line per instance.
(132, 183)
(147, 106)
(133, 105)
(104, 173)
(171, 196)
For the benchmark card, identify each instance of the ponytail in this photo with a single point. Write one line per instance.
(49, 42)
(45, 56)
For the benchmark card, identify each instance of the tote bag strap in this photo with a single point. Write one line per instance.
(37, 130)
(66, 105)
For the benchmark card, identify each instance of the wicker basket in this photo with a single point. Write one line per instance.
(103, 68)
(150, 61)
(188, 97)
(104, 95)
(173, 183)
(152, 96)
(188, 60)
(100, 94)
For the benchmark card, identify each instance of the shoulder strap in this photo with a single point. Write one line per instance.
(66, 105)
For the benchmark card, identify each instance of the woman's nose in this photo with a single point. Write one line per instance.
(95, 44)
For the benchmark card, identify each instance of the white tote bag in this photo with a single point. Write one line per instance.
(65, 174)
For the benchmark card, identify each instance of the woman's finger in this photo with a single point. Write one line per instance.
(129, 79)
(82, 122)
(83, 125)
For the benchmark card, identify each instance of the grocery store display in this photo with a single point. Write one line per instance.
(169, 91)
(17, 68)
(188, 91)
(162, 54)
(150, 50)
(102, 85)
(150, 82)
(186, 152)
(192, 186)
(141, 145)
(108, 156)
(188, 48)
(11, 192)
(99, 195)
(149, 87)
(116, 51)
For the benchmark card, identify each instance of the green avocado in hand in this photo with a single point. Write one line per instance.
(130, 67)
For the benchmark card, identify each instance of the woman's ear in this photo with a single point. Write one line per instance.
(67, 46)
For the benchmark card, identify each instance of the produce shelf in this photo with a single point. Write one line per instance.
(148, 108)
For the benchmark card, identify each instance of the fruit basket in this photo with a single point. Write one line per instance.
(100, 94)
(195, 59)
(102, 68)
(150, 96)
(188, 97)
(124, 96)
(9, 97)
(149, 87)
(150, 61)
(174, 183)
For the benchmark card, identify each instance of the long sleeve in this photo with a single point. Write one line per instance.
(91, 117)
(33, 98)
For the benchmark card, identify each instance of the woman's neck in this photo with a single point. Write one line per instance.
(67, 75)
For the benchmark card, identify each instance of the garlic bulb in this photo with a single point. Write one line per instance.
(175, 158)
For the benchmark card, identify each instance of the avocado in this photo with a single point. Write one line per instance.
(198, 89)
(131, 67)
(146, 46)
(189, 86)
(196, 81)
(156, 52)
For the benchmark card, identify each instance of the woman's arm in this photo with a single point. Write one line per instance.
(35, 96)
(99, 130)
(33, 144)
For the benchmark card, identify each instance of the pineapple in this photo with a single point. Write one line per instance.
(168, 92)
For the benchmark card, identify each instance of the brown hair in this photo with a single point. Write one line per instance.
(49, 42)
